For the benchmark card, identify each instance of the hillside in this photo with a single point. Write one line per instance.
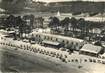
(75, 7)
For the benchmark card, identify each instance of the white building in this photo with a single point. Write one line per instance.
(74, 42)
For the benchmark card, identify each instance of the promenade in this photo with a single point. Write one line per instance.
(61, 60)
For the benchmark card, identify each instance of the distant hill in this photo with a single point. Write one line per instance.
(13, 5)
(77, 7)
(74, 7)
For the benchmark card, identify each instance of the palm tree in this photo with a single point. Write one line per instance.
(88, 27)
(41, 19)
(9, 22)
(21, 25)
(73, 22)
(31, 21)
(65, 22)
(54, 22)
(82, 25)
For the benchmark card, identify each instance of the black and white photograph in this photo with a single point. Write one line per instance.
(52, 36)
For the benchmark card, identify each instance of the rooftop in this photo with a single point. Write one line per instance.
(59, 36)
(91, 48)
(50, 42)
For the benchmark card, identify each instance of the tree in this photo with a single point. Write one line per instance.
(73, 22)
(65, 22)
(21, 25)
(88, 27)
(10, 21)
(82, 25)
(32, 21)
(54, 22)
(98, 43)
(41, 20)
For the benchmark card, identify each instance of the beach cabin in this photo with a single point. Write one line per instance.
(91, 50)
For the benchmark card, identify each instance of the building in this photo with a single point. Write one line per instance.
(55, 45)
(29, 20)
(46, 22)
(96, 31)
(91, 50)
(38, 22)
(67, 41)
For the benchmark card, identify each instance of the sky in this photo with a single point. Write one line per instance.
(67, 0)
